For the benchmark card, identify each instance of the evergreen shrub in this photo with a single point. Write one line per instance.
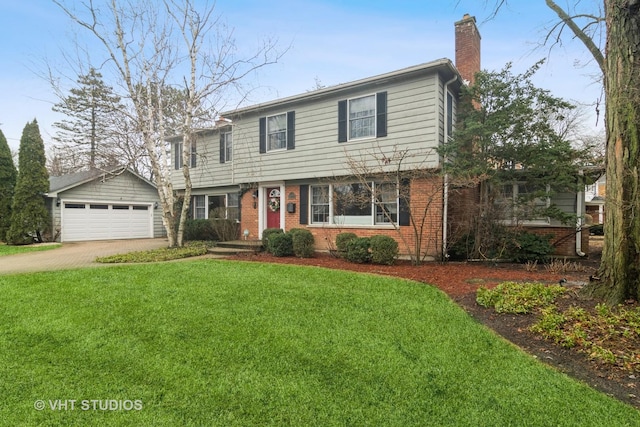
(384, 250)
(358, 250)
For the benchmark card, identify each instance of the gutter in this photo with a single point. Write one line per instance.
(445, 192)
(579, 221)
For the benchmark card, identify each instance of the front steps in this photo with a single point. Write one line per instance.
(235, 247)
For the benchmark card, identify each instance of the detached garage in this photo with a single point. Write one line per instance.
(100, 205)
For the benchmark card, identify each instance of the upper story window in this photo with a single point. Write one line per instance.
(177, 153)
(363, 117)
(226, 147)
(277, 132)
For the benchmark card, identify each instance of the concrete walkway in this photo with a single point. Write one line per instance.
(74, 255)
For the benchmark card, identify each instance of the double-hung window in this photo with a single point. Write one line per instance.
(277, 132)
(199, 208)
(320, 204)
(177, 150)
(362, 117)
(226, 147)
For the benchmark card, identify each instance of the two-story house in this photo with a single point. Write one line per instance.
(302, 161)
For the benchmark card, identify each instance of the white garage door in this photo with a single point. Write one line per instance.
(105, 221)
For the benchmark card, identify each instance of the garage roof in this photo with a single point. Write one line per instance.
(58, 184)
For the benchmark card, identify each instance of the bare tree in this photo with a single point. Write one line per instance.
(175, 45)
(392, 186)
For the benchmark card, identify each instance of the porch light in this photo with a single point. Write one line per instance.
(245, 233)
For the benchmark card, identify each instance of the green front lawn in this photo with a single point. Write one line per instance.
(12, 250)
(231, 343)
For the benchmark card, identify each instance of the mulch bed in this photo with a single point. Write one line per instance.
(460, 280)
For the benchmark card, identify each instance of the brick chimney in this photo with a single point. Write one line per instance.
(467, 48)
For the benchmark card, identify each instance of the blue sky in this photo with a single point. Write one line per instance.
(333, 41)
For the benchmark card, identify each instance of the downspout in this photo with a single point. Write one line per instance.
(579, 203)
(445, 192)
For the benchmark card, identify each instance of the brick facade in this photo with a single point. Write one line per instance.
(426, 206)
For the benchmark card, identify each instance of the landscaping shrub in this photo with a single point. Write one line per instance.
(384, 250)
(358, 250)
(225, 229)
(342, 240)
(531, 247)
(199, 229)
(266, 235)
(302, 242)
(280, 244)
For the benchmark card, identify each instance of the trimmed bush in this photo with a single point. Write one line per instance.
(281, 244)
(532, 247)
(266, 235)
(342, 240)
(199, 229)
(358, 250)
(302, 242)
(384, 250)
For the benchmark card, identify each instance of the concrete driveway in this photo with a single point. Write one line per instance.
(74, 255)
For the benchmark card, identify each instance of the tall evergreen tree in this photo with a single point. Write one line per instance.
(8, 175)
(506, 141)
(90, 110)
(29, 216)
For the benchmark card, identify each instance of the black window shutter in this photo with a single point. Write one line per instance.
(176, 157)
(404, 213)
(263, 135)
(222, 147)
(304, 204)
(291, 130)
(381, 112)
(342, 121)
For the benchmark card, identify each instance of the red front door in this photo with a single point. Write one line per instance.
(273, 207)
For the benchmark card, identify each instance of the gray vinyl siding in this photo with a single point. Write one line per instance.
(121, 188)
(414, 122)
(566, 202)
(414, 118)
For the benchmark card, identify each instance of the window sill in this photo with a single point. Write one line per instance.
(355, 226)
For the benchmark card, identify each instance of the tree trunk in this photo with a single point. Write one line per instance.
(620, 268)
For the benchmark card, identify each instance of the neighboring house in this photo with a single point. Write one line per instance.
(103, 205)
(594, 197)
(285, 163)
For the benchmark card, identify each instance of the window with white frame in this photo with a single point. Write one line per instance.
(354, 204)
(524, 203)
(233, 206)
(228, 146)
(320, 204)
(199, 207)
(177, 150)
(277, 132)
(362, 117)
(224, 206)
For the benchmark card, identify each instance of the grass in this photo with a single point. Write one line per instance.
(230, 343)
(13, 250)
